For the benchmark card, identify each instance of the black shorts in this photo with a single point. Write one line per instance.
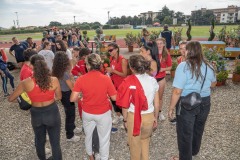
(159, 79)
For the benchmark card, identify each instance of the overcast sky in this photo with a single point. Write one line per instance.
(41, 12)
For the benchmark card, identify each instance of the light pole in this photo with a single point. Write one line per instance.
(195, 15)
(17, 19)
(108, 17)
(74, 19)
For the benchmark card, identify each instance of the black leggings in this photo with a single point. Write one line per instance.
(69, 108)
(47, 119)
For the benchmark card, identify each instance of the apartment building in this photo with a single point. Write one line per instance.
(224, 15)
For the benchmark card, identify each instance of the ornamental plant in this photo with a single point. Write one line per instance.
(130, 39)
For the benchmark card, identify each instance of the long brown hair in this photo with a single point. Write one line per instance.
(195, 59)
(165, 51)
(61, 64)
(63, 46)
(41, 73)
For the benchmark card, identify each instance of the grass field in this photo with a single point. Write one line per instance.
(197, 31)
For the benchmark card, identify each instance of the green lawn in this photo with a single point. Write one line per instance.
(197, 31)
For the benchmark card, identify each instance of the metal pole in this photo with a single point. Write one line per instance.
(74, 19)
(195, 15)
(17, 19)
(108, 17)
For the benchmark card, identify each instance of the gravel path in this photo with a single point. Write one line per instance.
(221, 140)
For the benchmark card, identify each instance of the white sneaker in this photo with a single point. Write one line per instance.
(97, 156)
(161, 117)
(74, 139)
(47, 150)
(77, 130)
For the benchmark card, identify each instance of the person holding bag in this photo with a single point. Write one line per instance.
(191, 97)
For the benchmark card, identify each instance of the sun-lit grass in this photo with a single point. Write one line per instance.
(197, 31)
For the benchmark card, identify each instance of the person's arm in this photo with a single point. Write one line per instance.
(173, 41)
(153, 68)
(169, 64)
(69, 83)
(58, 93)
(176, 93)
(213, 84)
(156, 109)
(10, 52)
(113, 98)
(124, 69)
(74, 96)
(17, 92)
(125, 115)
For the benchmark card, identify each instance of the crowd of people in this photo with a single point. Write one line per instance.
(128, 93)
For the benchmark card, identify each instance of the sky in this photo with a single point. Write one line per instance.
(42, 12)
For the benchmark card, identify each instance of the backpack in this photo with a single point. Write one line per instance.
(11, 66)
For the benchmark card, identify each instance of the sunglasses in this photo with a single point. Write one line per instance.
(110, 50)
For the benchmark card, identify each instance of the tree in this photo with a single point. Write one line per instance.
(165, 12)
(149, 21)
(54, 23)
(167, 20)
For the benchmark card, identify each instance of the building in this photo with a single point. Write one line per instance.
(149, 14)
(224, 15)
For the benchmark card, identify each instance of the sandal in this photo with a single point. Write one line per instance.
(174, 158)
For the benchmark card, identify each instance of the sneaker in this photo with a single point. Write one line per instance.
(173, 121)
(117, 119)
(6, 95)
(161, 117)
(77, 130)
(114, 130)
(47, 150)
(97, 156)
(74, 139)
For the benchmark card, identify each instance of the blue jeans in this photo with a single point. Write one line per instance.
(190, 127)
(47, 119)
(4, 84)
(5, 80)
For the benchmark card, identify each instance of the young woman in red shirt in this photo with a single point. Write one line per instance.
(118, 71)
(43, 90)
(166, 65)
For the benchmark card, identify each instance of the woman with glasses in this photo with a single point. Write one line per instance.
(118, 71)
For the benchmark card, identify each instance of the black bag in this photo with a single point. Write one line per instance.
(194, 99)
(24, 101)
(11, 66)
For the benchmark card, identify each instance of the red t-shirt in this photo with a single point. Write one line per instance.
(116, 64)
(80, 67)
(25, 72)
(164, 64)
(96, 89)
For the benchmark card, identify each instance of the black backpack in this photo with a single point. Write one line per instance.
(11, 66)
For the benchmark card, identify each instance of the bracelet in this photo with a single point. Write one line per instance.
(124, 121)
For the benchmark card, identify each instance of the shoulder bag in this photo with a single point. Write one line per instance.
(194, 99)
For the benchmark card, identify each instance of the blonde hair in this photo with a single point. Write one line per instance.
(93, 61)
